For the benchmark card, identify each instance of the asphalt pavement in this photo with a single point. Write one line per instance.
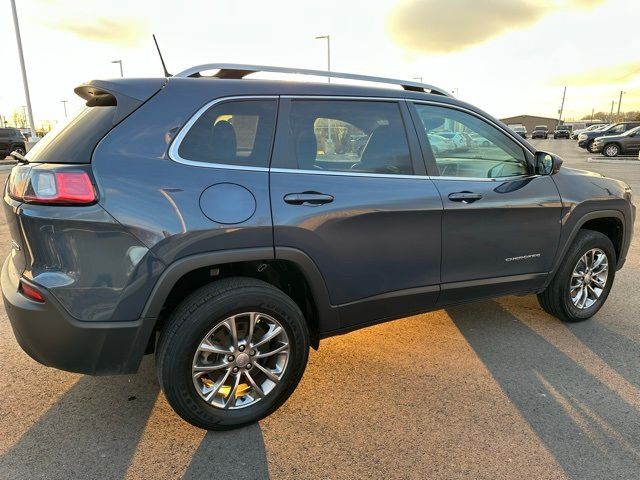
(491, 390)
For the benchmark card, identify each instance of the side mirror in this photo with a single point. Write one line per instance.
(547, 163)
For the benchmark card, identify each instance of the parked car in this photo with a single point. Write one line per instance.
(627, 143)
(562, 131)
(520, 130)
(576, 132)
(458, 140)
(586, 139)
(11, 140)
(478, 141)
(195, 217)
(440, 144)
(540, 131)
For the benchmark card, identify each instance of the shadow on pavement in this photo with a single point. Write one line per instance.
(92, 431)
(621, 353)
(237, 454)
(589, 429)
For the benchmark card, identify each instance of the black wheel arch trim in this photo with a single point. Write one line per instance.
(327, 314)
(566, 241)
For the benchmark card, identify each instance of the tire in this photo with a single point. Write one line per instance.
(556, 299)
(20, 150)
(611, 150)
(590, 146)
(208, 310)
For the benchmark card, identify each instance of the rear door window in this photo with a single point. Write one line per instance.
(349, 136)
(235, 133)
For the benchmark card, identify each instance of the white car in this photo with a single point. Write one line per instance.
(440, 144)
(458, 140)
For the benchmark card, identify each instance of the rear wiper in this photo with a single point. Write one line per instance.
(19, 157)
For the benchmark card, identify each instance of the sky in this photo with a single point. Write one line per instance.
(508, 57)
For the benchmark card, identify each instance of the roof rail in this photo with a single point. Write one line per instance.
(238, 71)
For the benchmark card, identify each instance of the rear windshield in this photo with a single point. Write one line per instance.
(74, 141)
(8, 133)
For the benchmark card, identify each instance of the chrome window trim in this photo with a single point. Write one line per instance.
(509, 133)
(341, 173)
(175, 144)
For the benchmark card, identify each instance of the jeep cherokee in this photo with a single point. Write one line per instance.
(228, 225)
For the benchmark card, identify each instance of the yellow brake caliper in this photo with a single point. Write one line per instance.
(224, 391)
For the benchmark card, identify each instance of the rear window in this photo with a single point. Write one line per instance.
(74, 141)
(238, 132)
(8, 133)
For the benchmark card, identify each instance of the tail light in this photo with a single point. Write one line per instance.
(51, 186)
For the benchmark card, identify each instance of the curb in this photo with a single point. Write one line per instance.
(625, 161)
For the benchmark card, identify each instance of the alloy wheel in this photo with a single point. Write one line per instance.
(611, 151)
(589, 278)
(240, 360)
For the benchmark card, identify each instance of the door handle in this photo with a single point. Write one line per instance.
(464, 197)
(310, 199)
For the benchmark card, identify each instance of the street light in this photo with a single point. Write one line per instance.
(64, 103)
(328, 37)
(417, 78)
(329, 146)
(120, 62)
(619, 103)
(25, 83)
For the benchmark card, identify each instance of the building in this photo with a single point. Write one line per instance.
(531, 121)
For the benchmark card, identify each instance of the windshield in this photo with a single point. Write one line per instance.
(633, 131)
(540, 127)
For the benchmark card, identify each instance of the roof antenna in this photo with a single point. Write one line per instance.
(164, 67)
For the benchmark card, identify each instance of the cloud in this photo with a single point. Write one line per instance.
(126, 31)
(607, 75)
(441, 26)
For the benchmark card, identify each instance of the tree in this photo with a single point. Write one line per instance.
(19, 118)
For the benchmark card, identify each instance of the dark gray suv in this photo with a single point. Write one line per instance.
(229, 224)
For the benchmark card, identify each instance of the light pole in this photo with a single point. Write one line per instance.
(613, 102)
(25, 83)
(329, 146)
(417, 78)
(120, 62)
(64, 104)
(620, 103)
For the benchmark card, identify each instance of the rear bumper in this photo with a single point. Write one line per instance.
(49, 335)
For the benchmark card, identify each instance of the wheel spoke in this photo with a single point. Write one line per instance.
(253, 318)
(270, 375)
(216, 387)
(231, 399)
(208, 347)
(231, 325)
(210, 368)
(272, 333)
(583, 297)
(273, 352)
(254, 385)
(601, 258)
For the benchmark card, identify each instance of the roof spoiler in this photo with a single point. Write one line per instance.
(125, 95)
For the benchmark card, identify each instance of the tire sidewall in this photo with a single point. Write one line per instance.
(176, 371)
